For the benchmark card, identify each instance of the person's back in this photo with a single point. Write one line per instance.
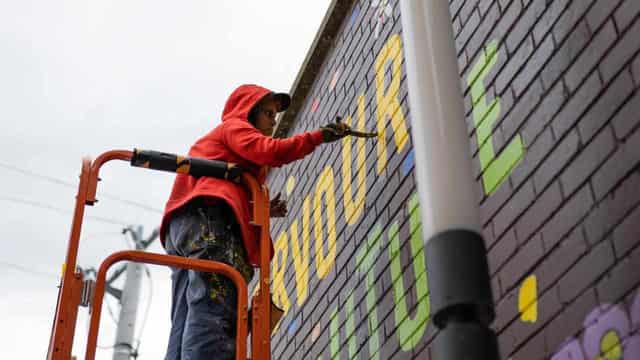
(208, 218)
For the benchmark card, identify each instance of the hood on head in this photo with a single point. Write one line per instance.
(242, 100)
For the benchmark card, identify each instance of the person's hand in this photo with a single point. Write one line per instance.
(334, 131)
(278, 208)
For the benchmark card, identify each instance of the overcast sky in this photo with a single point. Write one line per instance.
(78, 78)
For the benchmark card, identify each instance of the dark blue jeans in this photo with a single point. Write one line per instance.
(204, 305)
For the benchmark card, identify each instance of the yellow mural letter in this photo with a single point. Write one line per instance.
(301, 254)
(280, 296)
(353, 208)
(387, 102)
(325, 186)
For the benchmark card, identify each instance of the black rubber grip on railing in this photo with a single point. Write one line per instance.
(196, 167)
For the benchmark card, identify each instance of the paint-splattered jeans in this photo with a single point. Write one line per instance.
(204, 305)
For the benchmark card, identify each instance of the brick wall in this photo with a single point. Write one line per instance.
(551, 103)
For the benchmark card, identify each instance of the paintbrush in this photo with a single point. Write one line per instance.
(362, 134)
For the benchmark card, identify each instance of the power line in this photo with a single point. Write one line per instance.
(75, 186)
(132, 203)
(36, 175)
(60, 210)
(28, 270)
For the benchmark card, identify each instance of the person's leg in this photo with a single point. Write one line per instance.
(210, 325)
(179, 284)
(179, 308)
(210, 330)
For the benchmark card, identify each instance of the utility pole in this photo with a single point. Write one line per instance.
(129, 296)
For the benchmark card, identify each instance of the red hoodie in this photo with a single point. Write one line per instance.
(235, 140)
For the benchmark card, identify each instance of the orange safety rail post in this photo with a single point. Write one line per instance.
(64, 322)
(63, 329)
(169, 260)
(261, 303)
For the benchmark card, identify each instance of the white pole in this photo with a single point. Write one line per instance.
(459, 283)
(443, 162)
(125, 333)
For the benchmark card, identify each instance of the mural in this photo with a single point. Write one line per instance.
(410, 326)
(350, 266)
(324, 196)
(310, 242)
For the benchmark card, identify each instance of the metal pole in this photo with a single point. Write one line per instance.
(125, 333)
(460, 292)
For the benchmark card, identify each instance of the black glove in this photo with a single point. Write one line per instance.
(334, 132)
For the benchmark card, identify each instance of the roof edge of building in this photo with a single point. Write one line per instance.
(320, 48)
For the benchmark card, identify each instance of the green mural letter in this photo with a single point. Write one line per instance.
(495, 170)
(334, 335)
(350, 327)
(409, 330)
(365, 260)
(334, 331)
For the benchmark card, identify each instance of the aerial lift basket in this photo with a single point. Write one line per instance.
(71, 289)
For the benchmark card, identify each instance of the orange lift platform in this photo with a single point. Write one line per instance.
(73, 288)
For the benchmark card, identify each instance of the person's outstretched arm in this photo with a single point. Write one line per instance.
(246, 141)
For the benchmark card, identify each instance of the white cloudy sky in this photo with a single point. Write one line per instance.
(81, 77)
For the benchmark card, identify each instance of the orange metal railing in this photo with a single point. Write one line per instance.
(69, 296)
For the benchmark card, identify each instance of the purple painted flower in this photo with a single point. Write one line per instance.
(609, 334)
(608, 330)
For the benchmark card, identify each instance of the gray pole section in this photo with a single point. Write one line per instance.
(460, 291)
(125, 333)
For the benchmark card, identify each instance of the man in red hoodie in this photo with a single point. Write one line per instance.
(208, 218)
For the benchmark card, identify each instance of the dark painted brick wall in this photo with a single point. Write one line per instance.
(566, 83)
(562, 228)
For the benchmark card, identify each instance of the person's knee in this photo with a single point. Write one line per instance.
(210, 341)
